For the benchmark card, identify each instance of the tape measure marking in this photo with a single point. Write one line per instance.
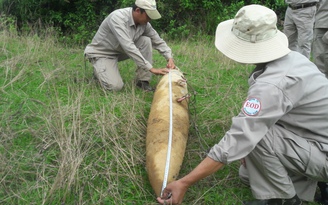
(169, 146)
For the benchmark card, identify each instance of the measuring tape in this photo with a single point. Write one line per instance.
(169, 146)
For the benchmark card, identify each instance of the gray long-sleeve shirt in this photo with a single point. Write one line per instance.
(117, 34)
(291, 92)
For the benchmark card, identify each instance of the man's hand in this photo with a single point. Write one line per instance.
(243, 162)
(159, 71)
(178, 188)
(175, 191)
(170, 63)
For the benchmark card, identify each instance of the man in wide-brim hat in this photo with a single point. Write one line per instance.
(281, 132)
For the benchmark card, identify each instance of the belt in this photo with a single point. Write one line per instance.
(300, 6)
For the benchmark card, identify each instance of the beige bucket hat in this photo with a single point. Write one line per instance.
(150, 8)
(252, 36)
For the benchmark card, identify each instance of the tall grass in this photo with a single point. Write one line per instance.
(64, 140)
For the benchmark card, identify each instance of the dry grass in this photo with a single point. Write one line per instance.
(66, 141)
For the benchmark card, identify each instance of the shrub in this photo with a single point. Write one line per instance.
(78, 20)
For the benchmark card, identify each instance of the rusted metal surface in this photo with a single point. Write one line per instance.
(158, 129)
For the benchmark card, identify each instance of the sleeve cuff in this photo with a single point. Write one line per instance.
(167, 56)
(148, 66)
(217, 155)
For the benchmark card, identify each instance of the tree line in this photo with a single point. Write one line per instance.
(78, 20)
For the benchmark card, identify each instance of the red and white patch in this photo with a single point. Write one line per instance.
(251, 107)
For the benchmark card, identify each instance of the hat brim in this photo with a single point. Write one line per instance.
(153, 14)
(248, 52)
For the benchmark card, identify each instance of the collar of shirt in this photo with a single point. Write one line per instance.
(131, 21)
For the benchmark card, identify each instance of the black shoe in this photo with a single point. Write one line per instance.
(256, 202)
(293, 201)
(323, 199)
(144, 85)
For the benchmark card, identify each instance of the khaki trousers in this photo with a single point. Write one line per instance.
(298, 27)
(282, 165)
(107, 72)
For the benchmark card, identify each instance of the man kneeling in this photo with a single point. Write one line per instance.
(127, 34)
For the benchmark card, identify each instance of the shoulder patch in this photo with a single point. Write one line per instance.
(251, 107)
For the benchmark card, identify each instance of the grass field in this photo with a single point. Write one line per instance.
(63, 140)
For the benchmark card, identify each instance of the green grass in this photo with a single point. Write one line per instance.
(63, 140)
